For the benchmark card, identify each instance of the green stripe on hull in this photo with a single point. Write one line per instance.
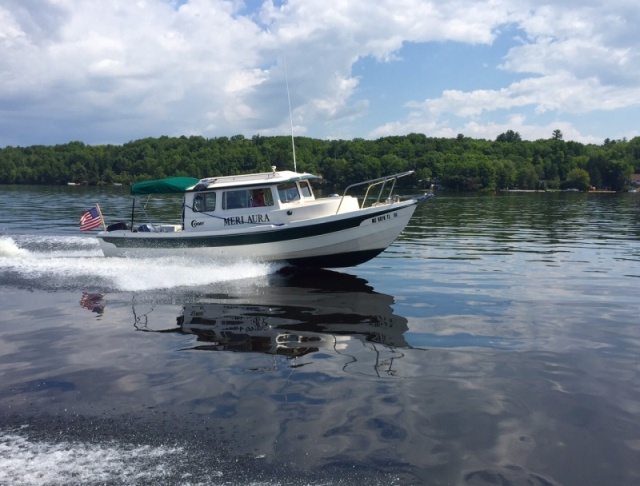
(340, 260)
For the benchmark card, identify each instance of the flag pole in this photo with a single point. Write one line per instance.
(104, 226)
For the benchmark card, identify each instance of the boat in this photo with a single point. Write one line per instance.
(269, 217)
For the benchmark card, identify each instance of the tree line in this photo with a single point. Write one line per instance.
(460, 164)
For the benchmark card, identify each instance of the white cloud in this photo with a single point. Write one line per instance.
(561, 92)
(115, 71)
(579, 59)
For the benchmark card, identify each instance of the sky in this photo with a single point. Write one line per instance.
(111, 72)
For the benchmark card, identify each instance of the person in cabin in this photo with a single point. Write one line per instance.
(257, 198)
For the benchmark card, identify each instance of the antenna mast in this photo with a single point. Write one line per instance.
(293, 145)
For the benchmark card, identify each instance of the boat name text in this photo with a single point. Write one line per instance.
(250, 219)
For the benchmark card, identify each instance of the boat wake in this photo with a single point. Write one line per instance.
(28, 458)
(42, 462)
(75, 263)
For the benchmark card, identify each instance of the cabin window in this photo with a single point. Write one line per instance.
(305, 189)
(204, 202)
(235, 199)
(288, 192)
(247, 198)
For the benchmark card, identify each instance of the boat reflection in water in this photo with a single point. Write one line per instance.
(298, 313)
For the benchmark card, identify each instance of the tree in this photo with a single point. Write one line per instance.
(557, 135)
(509, 136)
(527, 177)
(505, 174)
(392, 164)
(617, 174)
(577, 179)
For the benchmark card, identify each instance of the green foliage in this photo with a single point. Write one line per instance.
(509, 136)
(577, 179)
(460, 163)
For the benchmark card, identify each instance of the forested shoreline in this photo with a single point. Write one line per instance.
(460, 164)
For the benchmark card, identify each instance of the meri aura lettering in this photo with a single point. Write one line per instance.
(251, 219)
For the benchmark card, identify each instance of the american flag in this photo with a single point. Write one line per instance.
(90, 219)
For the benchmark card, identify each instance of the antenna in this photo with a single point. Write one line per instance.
(293, 145)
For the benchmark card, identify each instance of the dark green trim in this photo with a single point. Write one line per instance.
(269, 236)
(336, 261)
(171, 185)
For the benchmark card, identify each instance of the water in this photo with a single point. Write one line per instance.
(496, 342)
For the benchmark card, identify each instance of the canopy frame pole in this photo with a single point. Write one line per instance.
(133, 206)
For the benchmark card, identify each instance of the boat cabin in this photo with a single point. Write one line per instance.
(272, 198)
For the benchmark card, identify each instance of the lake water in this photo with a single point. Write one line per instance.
(497, 342)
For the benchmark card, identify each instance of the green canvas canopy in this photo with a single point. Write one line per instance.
(170, 185)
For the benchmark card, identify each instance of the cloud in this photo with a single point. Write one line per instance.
(577, 59)
(560, 92)
(108, 72)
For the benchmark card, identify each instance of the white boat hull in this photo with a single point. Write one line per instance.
(334, 241)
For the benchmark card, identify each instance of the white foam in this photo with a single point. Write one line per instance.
(166, 273)
(9, 248)
(27, 462)
(55, 262)
(131, 274)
